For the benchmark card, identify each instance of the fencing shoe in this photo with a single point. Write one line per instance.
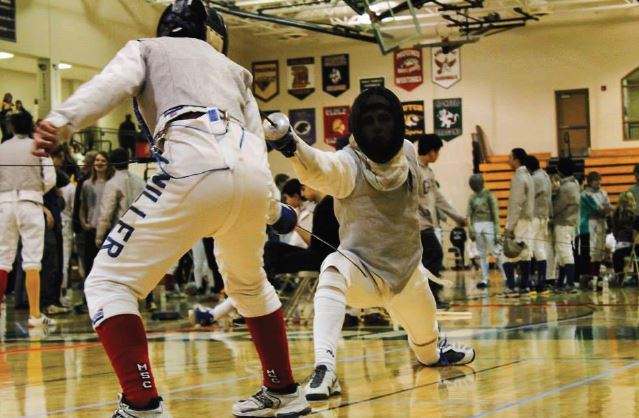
(266, 403)
(158, 410)
(322, 385)
(200, 315)
(453, 354)
(42, 321)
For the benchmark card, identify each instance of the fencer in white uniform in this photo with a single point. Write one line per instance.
(375, 183)
(213, 180)
(23, 180)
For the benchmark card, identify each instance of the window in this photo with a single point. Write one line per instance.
(630, 94)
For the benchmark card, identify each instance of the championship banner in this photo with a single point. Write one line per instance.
(445, 67)
(266, 80)
(367, 83)
(335, 74)
(447, 118)
(303, 122)
(409, 71)
(8, 20)
(414, 120)
(335, 123)
(301, 77)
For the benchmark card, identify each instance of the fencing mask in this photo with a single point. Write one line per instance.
(190, 19)
(377, 123)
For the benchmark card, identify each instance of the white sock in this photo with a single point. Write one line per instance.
(330, 308)
(223, 309)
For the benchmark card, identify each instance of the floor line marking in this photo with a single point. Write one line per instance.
(256, 375)
(559, 389)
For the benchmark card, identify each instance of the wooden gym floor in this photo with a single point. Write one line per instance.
(561, 356)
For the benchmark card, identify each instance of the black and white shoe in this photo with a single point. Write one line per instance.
(157, 410)
(322, 384)
(266, 403)
(453, 354)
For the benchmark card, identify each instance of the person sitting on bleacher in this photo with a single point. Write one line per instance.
(624, 224)
(634, 189)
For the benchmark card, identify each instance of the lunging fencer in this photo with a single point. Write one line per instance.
(213, 180)
(375, 182)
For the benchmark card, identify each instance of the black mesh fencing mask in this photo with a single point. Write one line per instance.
(190, 19)
(377, 123)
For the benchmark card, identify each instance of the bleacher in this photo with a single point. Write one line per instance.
(616, 167)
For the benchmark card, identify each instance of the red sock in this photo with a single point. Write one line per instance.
(4, 278)
(124, 340)
(269, 337)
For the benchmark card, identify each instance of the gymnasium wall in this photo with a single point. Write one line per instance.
(507, 87)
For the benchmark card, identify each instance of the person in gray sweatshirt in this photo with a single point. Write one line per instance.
(541, 217)
(565, 220)
(483, 224)
(521, 203)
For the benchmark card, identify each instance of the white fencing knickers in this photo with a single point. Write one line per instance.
(171, 214)
(540, 238)
(413, 308)
(564, 236)
(524, 233)
(21, 219)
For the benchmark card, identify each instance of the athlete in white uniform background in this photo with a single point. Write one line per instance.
(23, 180)
(213, 180)
(375, 182)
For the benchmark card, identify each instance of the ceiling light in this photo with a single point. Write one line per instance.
(5, 55)
(64, 66)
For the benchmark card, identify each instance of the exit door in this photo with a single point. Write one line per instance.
(573, 122)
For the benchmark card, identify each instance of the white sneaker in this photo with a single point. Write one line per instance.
(453, 354)
(270, 404)
(43, 321)
(322, 385)
(126, 411)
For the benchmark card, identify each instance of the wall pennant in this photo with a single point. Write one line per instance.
(335, 123)
(335, 74)
(367, 83)
(303, 122)
(301, 77)
(266, 80)
(409, 70)
(414, 120)
(447, 118)
(445, 67)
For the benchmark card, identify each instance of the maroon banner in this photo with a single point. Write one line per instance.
(409, 70)
(335, 123)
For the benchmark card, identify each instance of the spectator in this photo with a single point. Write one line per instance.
(92, 192)
(624, 225)
(66, 190)
(634, 189)
(521, 202)
(119, 192)
(85, 173)
(597, 208)
(52, 259)
(541, 217)
(7, 107)
(292, 192)
(483, 218)
(21, 190)
(126, 136)
(565, 219)
(19, 106)
(431, 200)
